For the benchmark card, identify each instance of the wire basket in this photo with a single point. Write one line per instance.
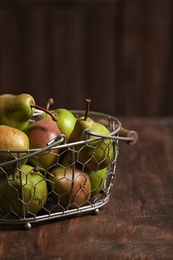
(42, 202)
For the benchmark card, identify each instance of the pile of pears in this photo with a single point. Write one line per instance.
(31, 171)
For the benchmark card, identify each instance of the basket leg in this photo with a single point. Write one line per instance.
(96, 211)
(28, 226)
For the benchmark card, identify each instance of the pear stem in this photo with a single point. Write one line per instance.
(47, 111)
(50, 102)
(40, 169)
(87, 101)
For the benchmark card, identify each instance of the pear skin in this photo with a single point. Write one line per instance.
(97, 154)
(16, 110)
(40, 133)
(12, 139)
(24, 192)
(97, 179)
(70, 187)
(65, 120)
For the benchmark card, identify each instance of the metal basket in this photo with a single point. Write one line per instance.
(52, 209)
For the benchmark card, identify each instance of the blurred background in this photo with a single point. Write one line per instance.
(117, 53)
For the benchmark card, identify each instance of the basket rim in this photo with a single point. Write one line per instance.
(57, 142)
(60, 141)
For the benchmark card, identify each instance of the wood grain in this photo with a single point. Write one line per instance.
(117, 53)
(136, 223)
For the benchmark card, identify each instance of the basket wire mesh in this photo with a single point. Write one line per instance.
(49, 208)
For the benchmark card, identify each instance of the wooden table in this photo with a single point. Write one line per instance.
(136, 223)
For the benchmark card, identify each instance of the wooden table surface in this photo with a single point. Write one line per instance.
(136, 223)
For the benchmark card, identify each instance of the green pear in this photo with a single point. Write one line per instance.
(97, 179)
(97, 154)
(11, 139)
(16, 110)
(65, 120)
(70, 187)
(24, 192)
(40, 133)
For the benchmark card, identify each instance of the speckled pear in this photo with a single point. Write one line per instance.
(12, 139)
(16, 110)
(65, 120)
(97, 179)
(40, 133)
(24, 192)
(70, 186)
(97, 154)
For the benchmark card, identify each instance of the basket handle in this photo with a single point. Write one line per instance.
(129, 136)
(132, 135)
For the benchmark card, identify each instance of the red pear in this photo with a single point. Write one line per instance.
(40, 133)
(71, 187)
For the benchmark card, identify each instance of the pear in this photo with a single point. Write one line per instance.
(70, 187)
(24, 192)
(40, 133)
(12, 139)
(97, 154)
(97, 179)
(16, 110)
(65, 119)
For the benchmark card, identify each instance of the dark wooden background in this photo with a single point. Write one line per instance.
(118, 53)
